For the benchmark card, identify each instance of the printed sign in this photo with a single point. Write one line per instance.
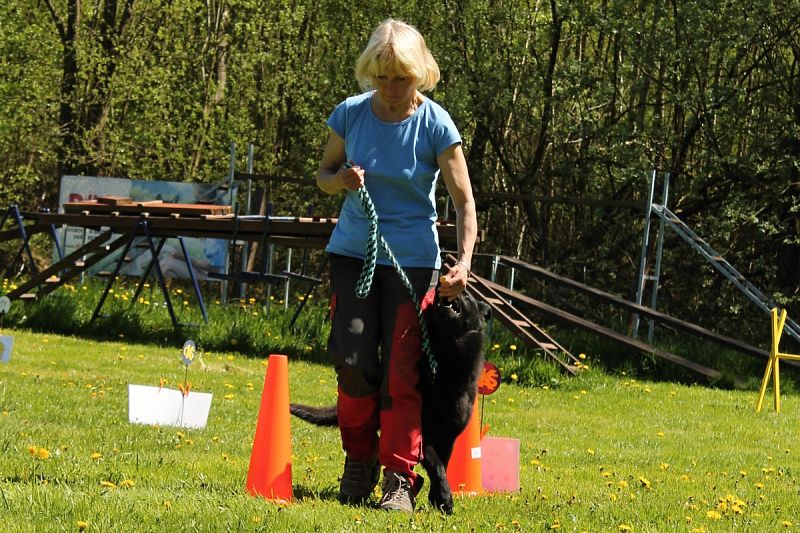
(489, 381)
(188, 351)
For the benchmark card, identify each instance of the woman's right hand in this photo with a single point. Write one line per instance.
(351, 177)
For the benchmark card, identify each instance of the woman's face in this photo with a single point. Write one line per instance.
(395, 88)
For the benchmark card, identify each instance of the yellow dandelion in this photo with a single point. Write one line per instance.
(713, 515)
(32, 450)
(514, 377)
(108, 484)
(96, 455)
(786, 523)
(645, 482)
(624, 527)
(495, 347)
(167, 504)
(82, 525)
(42, 454)
(582, 356)
(229, 396)
(590, 451)
(759, 486)
(126, 483)
(513, 347)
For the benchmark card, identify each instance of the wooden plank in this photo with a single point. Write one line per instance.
(67, 262)
(623, 340)
(114, 200)
(94, 207)
(614, 300)
(249, 229)
(503, 312)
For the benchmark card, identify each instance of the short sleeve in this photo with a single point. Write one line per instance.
(338, 120)
(446, 134)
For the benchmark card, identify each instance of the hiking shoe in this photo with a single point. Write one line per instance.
(397, 493)
(358, 480)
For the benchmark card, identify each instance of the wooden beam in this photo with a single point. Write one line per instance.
(612, 299)
(623, 340)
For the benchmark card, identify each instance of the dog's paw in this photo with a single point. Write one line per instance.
(441, 502)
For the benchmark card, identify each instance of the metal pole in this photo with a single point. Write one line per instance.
(659, 249)
(286, 283)
(643, 260)
(231, 170)
(246, 244)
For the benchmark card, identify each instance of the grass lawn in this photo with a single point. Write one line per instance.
(598, 452)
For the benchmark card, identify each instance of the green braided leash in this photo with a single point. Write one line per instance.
(368, 270)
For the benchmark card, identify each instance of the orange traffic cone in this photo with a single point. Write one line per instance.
(464, 468)
(270, 472)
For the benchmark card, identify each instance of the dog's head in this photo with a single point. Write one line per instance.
(460, 315)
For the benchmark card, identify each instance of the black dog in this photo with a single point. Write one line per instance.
(455, 330)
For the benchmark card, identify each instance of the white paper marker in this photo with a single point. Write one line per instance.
(167, 407)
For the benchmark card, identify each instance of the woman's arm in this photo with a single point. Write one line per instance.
(331, 178)
(453, 165)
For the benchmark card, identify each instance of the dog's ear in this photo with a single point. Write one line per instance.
(485, 310)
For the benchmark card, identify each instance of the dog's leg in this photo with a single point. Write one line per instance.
(439, 494)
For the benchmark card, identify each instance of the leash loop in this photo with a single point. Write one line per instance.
(374, 239)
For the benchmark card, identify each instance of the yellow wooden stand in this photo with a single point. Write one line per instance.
(773, 364)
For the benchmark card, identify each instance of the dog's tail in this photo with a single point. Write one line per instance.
(319, 416)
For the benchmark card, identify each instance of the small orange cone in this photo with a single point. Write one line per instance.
(270, 472)
(464, 468)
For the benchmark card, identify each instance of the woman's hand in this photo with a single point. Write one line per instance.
(351, 177)
(454, 282)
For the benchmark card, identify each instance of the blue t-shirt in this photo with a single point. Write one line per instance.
(399, 159)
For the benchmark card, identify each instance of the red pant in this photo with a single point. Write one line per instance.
(375, 345)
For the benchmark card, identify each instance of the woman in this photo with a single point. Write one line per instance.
(394, 141)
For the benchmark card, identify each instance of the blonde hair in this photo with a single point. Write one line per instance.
(399, 47)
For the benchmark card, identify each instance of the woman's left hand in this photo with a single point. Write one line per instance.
(454, 282)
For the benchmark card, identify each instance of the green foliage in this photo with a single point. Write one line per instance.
(254, 327)
(574, 100)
